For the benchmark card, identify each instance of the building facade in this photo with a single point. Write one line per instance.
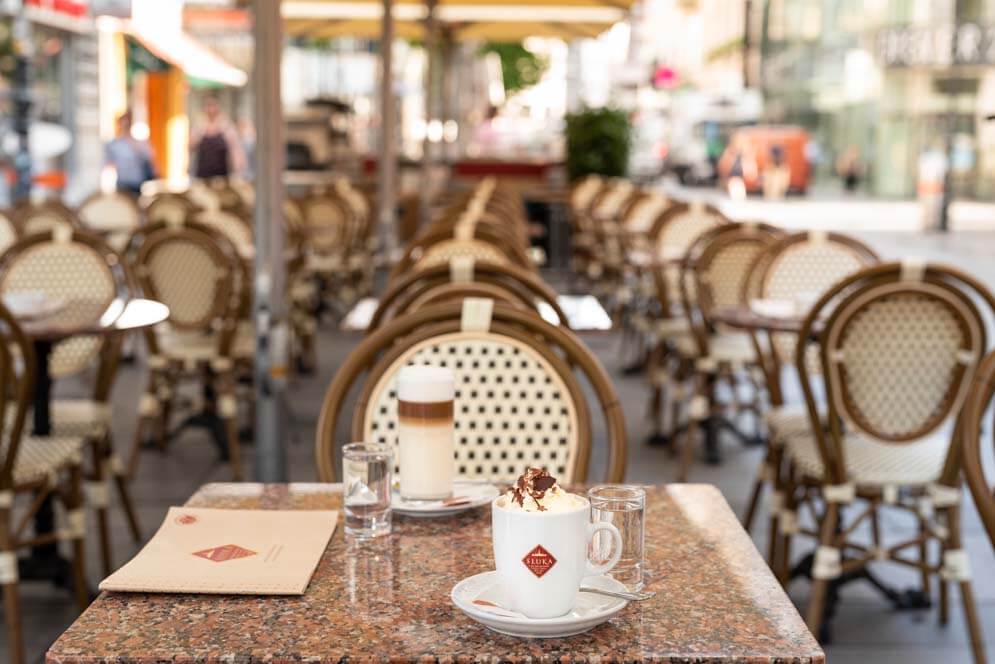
(897, 79)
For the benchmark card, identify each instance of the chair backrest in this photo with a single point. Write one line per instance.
(719, 265)
(9, 231)
(643, 210)
(525, 284)
(518, 401)
(170, 208)
(802, 266)
(583, 193)
(610, 200)
(233, 225)
(77, 267)
(978, 402)
(187, 269)
(17, 361)
(105, 212)
(43, 217)
(900, 343)
(679, 225)
(328, 224)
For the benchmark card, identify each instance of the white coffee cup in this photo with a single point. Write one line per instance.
(541, 557)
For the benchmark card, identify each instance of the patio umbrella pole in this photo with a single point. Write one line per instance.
(428, 152)
(268, 283)
(386, 190)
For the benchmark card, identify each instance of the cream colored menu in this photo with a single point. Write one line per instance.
(241, 552)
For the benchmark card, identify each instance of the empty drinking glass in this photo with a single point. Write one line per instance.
(366, 477)
(623, 506)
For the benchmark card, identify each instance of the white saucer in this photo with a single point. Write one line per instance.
(477, 493)
(589, 611)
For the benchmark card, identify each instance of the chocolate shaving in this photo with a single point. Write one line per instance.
(535, 482)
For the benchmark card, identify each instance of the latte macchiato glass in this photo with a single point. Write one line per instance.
(425, 432)
(542, 556)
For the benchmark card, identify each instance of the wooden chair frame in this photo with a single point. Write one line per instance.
(517, 324)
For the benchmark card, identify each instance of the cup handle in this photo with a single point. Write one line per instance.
(604, 568)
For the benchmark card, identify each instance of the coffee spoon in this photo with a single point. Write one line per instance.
(634, 596)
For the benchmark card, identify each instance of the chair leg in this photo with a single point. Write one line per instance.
(96, 491)
(128, 505)
(11, 600)
(12, 616)
(963, 580)
(149, 410)
(772, 473)
(699, 411)
(228, 410)
(74, 505)
(820, 581)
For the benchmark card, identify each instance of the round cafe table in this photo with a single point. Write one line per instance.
(74, 317)
(80, 317)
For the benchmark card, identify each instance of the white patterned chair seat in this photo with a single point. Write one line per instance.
(723, 347)
(872, 463)
(39, 458)
(75, 418)
(196, 347)
(325, 263)
(789, 420)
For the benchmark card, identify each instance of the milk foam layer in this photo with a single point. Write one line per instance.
(554, 500)
(425, 384)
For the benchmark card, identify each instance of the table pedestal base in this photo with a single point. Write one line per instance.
(910, 599)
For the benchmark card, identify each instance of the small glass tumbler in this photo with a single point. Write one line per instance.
(366, 477)
(623, 506)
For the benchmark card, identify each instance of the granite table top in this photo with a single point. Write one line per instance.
(716, 599)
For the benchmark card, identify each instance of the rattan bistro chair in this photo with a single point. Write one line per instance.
(170, 208)
(713, 276)
(39, 467)
(900, 343)
(978, 402)
(519, 402)
(44, 216)
(522, 285)
(193, 273)
(9, 232)
(796, 269)
(114, 215)
(81, 266)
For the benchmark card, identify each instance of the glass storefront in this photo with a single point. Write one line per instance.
(892, 79)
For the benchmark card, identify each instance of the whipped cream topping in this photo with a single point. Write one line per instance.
(537, 491)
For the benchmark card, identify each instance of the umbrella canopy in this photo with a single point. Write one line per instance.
(464, 20)
(476, 31)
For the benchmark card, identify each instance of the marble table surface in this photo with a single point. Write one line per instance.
(716, 599)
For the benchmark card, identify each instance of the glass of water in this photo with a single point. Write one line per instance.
(623, 506)
(366, 477)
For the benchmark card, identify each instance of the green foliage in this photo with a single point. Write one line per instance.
(6, 48)
(598, 142)
(520, 67)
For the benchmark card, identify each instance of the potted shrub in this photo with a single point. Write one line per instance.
(597, 142)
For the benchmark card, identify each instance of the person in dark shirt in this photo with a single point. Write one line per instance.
(217, 149)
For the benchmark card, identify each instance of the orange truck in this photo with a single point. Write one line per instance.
(756, 147)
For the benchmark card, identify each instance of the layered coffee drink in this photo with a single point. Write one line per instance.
(425, 432)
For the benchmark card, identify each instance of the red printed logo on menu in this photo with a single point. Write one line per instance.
(539, 561)
(220, 554)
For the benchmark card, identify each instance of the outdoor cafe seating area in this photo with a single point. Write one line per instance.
(864, 378)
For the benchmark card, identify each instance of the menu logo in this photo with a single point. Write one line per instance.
(186, 519)
(220, 554)
(539, 561)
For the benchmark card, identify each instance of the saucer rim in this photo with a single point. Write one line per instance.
(406, 510)
(601, 616)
